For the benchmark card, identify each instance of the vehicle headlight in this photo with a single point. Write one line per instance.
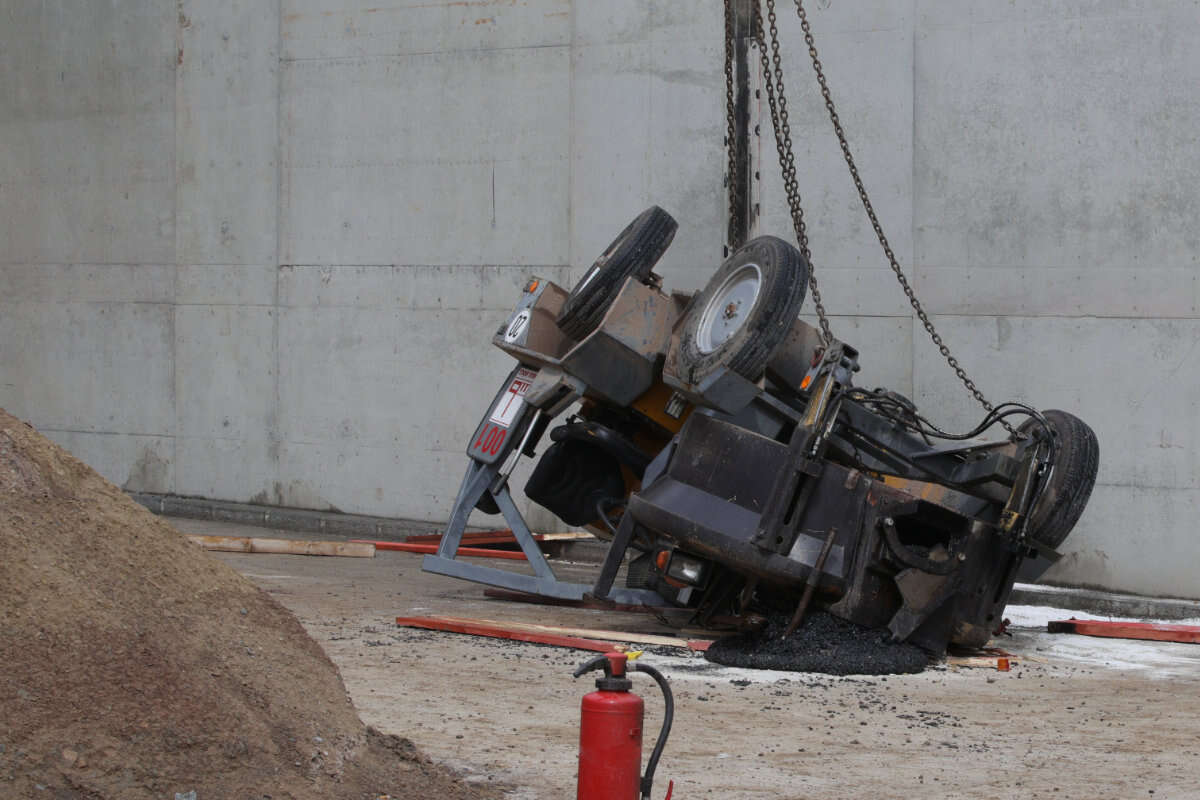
(687, 569)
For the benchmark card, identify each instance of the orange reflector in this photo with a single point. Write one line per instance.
(1002, 664)
(532, 286)
(807, 380)
(662, 559)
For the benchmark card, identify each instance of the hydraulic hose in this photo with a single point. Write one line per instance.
(668, 717)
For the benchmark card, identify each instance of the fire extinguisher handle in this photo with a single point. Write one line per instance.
(599, 662)
(668, 718)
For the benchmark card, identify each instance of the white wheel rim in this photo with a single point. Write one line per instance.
(729, 308)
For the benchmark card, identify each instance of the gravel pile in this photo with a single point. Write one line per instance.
(822, 643)
(135, 666)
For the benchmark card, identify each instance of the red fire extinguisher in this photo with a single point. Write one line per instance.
(610, 732)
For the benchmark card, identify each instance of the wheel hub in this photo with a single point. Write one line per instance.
(729, 308)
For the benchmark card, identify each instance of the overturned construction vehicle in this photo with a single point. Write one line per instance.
(719, 442)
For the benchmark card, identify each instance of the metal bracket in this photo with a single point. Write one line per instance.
(482, 478)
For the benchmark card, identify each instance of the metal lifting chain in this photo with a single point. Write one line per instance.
(734, 144)
(779, 119)
(783, 143)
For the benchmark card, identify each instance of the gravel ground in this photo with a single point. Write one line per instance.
(1075, 718)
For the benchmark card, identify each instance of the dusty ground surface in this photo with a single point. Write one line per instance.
(135, 665)
(1089, 719)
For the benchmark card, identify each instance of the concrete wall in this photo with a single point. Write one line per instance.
(253, 250)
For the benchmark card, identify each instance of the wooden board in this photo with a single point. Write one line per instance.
(1153, 631)
(603, 605)
(501, 632)
(586, 633)
(1002, 663)
(475, 552)
(294, 547)
(498, 537)
(547, 634)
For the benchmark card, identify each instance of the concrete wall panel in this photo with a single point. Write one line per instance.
(225, 371)
(87, 283)
(63, 59)
(648, 126)
(133, 462)
(90, 367)
(1129, 541)
(680, 23)
(410, 288)
(1068, 142)
(870, 75)
(227, 97)
(320, 29)
(433, 159)
(1064, 291)
(241, 470)
(225, 284)
(94, 188)
(408, 384)
(635, 103)
(87, 93)
(376, 375)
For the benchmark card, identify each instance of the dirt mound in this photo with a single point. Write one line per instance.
(134, 665)
(822, 643)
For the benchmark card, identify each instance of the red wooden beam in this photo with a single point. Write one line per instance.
(478, 552)
(1153, 631)
(481, 537)
(542, 600)
(499, 632)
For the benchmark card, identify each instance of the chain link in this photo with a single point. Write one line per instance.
(734, 145)
(773, 80)
(787, 161)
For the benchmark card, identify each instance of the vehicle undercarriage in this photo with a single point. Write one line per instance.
(720, 444)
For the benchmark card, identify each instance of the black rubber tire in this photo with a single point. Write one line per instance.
(1075, 468)
(633, 253)
(781, 293)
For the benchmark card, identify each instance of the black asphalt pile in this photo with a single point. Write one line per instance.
(822, 643)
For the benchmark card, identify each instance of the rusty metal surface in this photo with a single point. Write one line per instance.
(619, 360)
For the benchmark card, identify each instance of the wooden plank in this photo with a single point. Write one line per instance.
(501, 632)
(1002, 663)
(603, 605)
(482, 537)
(294, 547)
(586, 633)
(498, 537)
(1152, 631)
(568, 536)
(474, 552)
